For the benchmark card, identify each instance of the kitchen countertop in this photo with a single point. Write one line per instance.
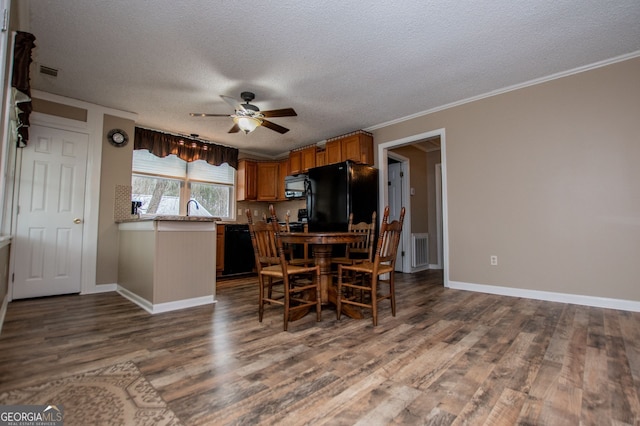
(150, 217)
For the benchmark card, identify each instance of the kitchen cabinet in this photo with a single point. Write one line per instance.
(357, 147)
(302, 160)
(247, 180)
(268, 176)
(321, 157)
(333, 151)
(308, 158)
(283, 172)
(295, 162)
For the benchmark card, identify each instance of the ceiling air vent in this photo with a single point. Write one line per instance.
(48, 71)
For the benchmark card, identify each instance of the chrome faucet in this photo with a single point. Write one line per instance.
(189, 202)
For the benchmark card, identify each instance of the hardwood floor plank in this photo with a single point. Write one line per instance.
(447, 357)
(507, 409)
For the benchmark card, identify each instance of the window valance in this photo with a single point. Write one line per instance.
(164, 144)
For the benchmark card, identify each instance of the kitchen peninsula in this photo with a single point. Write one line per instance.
(167, 263)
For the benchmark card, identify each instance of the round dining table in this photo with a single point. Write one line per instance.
(322, 247)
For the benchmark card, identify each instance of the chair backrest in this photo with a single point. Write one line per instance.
(286, 227)
(267, 246)
(387, 248)
(364, 247)
(263, 241)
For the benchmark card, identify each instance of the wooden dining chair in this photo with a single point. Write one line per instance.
(362, 250)
(296, 288)
(305, 260)
(350, 277)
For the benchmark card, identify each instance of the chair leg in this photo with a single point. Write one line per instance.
(286, 303)
(318, 300)
(339, 294)
(374, 300)
(261, 298)
(392, 290)
(270, 292)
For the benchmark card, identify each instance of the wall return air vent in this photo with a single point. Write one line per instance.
(48, 71)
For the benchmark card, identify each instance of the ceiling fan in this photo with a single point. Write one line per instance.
(248, 117)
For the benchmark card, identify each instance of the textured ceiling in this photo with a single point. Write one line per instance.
(342, 65)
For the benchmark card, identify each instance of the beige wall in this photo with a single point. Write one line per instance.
(546, 178)
(116, 170)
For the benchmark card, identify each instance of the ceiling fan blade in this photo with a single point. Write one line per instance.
(274, 126)
(203, 114)
(285, 112)
(234, 129)
(233, 103)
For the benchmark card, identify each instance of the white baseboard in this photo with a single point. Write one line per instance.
(420, 268)
(102, 288)
(164, 307)
(576, 299)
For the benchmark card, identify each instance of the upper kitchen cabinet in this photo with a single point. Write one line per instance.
(247, 180)
(302, 160)
(268, 178)
(333, 151)
(357, 147)
(321, 157)
(283, 172)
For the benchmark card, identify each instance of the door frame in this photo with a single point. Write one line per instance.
(382, 154)
(439, 214)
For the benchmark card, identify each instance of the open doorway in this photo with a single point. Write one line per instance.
(398, 191)
(438, 228)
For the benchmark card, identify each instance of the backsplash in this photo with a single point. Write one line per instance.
(122, 203)
(263, 208)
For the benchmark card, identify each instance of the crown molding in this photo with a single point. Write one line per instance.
(509, 89)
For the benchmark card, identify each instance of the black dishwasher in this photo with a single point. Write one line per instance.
(238, 251)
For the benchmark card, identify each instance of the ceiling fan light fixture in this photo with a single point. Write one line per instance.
(247, 124)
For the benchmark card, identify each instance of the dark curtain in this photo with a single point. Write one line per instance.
(163, 144)
(24, 43)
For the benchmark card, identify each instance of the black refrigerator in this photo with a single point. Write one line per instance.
(336, 190)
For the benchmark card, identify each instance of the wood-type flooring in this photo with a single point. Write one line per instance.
(448, 357)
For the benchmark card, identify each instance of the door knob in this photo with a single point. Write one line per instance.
(77, 220)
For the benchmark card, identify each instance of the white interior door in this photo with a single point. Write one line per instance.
(49, 226)
(395, 204)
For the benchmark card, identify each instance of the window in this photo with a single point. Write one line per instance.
(163, 186)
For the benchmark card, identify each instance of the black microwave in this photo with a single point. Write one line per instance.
(295, 186)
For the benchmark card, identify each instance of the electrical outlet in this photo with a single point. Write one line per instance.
(255, 213)
(240, 211)
(494, 260)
